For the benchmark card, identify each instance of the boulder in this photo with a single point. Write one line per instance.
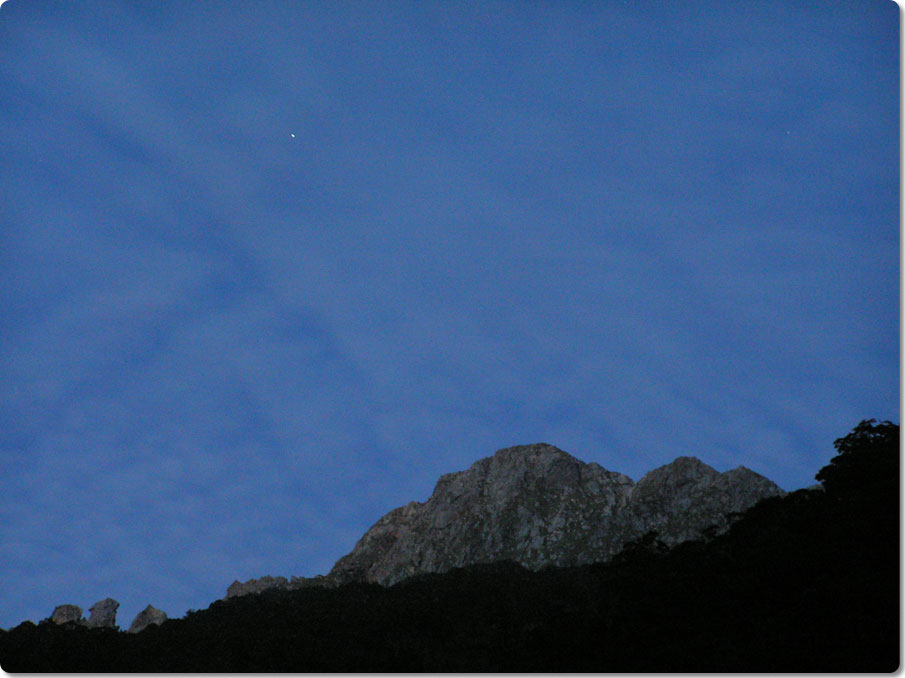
(149, 616)
(103, 614)
(64, 614)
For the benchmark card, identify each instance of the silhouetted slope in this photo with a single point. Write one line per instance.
(803, 582)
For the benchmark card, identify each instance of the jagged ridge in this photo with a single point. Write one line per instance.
(538, 506)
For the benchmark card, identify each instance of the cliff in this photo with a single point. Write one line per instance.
(538, 506)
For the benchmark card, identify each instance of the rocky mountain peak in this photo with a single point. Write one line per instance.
(679, 477)
(538, 505)
(530, 455)
(530, 503)
(680, 471)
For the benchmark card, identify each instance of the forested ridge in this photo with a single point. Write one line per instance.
(804, 582)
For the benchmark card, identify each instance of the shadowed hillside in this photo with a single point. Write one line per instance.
(807, 581)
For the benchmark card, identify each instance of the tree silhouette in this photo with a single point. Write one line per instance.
(866, 470)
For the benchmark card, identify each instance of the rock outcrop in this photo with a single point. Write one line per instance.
(147, 617)
(686, 497)
(103, 614)
(238, 588)
(534, 504)
(65, 614)
(539, 506)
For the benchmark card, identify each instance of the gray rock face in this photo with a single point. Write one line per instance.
(147, 617)
(532, 504)
(103, 613)
(686, 497)
(63, 614)
(539, 506)
(238, 588)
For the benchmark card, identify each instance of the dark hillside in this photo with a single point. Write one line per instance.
(804, 582)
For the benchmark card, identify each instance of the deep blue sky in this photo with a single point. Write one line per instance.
(635, 230)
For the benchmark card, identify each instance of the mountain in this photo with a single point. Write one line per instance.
(805, 581)
(538, 506)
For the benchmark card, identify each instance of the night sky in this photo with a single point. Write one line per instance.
(268, 269)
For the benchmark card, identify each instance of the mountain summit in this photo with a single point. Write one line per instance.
(539, 506)
(785, 589)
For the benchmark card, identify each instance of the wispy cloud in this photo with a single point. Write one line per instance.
(227, 350)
